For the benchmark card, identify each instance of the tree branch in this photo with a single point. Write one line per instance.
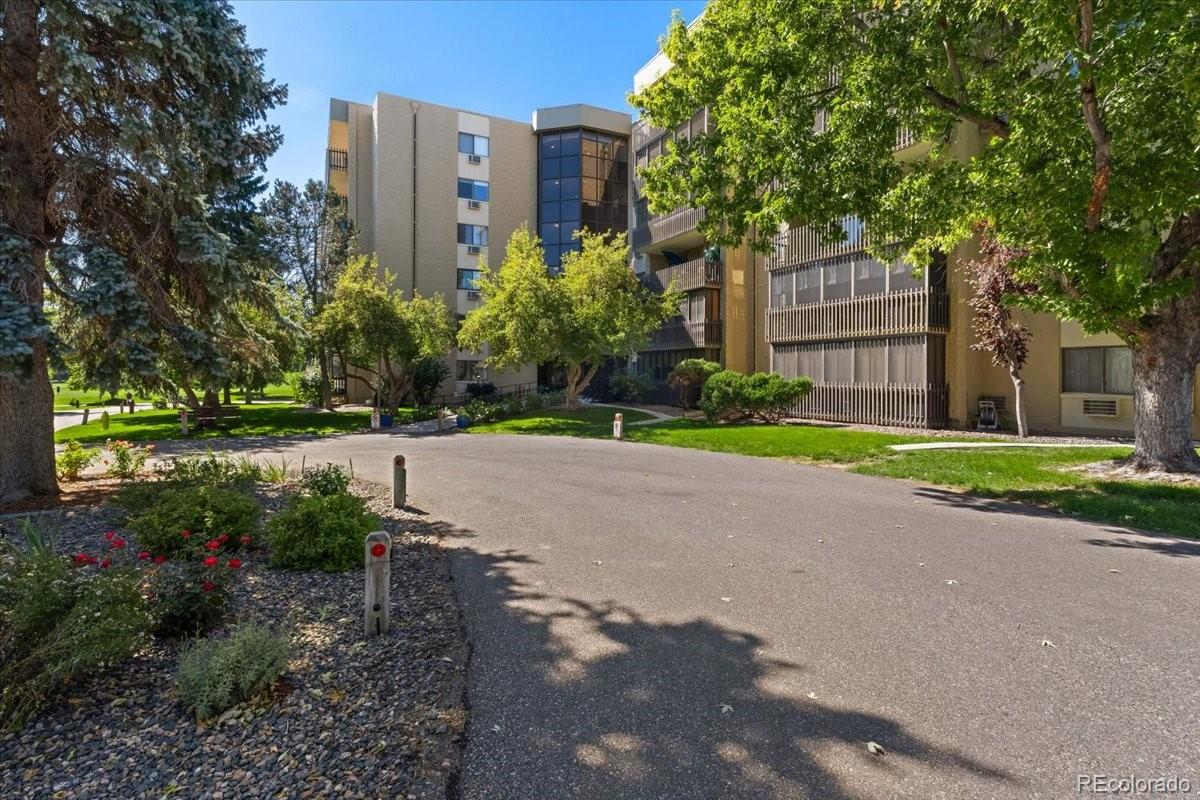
(952, 61)
(992, 124)
(1101, 137)
(1181, 241)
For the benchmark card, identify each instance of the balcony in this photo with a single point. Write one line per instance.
(909, 405)
(906, 312)
(797, 246)
(679, 335)
(688, 276)
(338, 159)
(667, 226)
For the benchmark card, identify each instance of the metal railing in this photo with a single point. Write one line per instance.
(908, 405)
(917, 310)
(338, 159)
(667, 226)
(797, 246)
(337, 386)
(695, 274)
(515, 390)
(678, 335)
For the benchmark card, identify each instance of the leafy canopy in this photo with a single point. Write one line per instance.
(596, 308)
(1071, 130)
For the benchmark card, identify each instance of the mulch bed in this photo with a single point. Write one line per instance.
(88, 490)
(351, 718)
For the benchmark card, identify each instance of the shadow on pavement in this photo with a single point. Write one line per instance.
(591, 700)
(1178, 548)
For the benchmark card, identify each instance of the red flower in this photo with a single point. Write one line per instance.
(223, 538)
(110, 535)
(208, 586)
(185, 534)
(117, 543)
(160, 559)
(245, 540)
(234, 563)
(212, 544)
(81, 558)
(211, 561)
(142, 556)
(106, 563)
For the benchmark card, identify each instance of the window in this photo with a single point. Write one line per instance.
(1097, 370)
(473, 190)
(475, 235)
(472, 145)
(467, 279)
(473, 371)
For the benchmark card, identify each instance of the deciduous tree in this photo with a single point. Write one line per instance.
(595, 309)
(127, 129)
(1069, 129)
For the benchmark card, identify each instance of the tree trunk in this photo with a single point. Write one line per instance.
(246, 400)
(27, 432)
(1019, 386)
(227, 399)
(577, 381)
(326, 393)
(1164, 372)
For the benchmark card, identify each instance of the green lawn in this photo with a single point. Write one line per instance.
(63, 395)
(590, 422)
(796, 442)
(1041, 476)
(256, 420)
(279, 392)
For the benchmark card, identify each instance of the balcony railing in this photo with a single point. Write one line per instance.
(909, 405)
(668, 226)
(338, 159)
(905, 312)
(688, 276)
(801, 245)
(678, 335)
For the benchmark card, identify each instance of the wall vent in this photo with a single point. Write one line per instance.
(1095, 407)
(472, 294)
(998, 400)
(474, 159)
(473, 204)
(473, 250)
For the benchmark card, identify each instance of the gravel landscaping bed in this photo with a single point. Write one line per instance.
(351, 718)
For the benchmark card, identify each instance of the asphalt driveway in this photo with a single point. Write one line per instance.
(651, 622)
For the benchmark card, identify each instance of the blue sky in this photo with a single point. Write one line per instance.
(501, 58)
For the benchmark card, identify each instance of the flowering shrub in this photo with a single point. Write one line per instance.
(125, 460)
(180, 520)
(74, 460)
(320, 532)
(58, 623)
(210, 469)
(216, 674)
(190, 597)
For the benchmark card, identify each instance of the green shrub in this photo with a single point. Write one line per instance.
(217, 674)
(322, 532)
(628, 387)
(188, 598)
(56, 626)
(689, 376)
(125, 460)
(73, 460)
(210, 469)
(277, 472)
(428, 373)
(181, 520)
(325, 479)
(306, 385)
(733, 396)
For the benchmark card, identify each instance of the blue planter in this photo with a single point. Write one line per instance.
(385, 420)
(462, 420)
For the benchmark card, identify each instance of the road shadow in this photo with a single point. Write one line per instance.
(1176, 548)
(592, 700)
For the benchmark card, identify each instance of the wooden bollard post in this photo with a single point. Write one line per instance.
(86, 412)
(377, 615)
(399, 483)
(618, 426)
(183, 421)
(441, 414)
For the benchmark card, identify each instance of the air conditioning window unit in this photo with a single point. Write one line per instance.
(473, 250)
(1096, 407)
(472, 294)
(474, 159)
(473, 204)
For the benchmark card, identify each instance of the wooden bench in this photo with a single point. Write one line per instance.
(218, 417)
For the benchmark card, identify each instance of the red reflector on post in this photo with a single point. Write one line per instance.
(378, 549)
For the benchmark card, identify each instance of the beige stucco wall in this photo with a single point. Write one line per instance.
(737, 309)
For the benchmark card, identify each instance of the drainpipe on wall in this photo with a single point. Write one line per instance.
(413, 289)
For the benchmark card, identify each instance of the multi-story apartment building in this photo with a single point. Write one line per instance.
(884, 344)
(436, 191)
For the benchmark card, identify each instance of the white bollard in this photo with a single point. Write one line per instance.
(375, 419)
(183, 421)
(377, 602)
(618, 426)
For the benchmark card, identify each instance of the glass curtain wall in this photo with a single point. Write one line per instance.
(582, 183)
